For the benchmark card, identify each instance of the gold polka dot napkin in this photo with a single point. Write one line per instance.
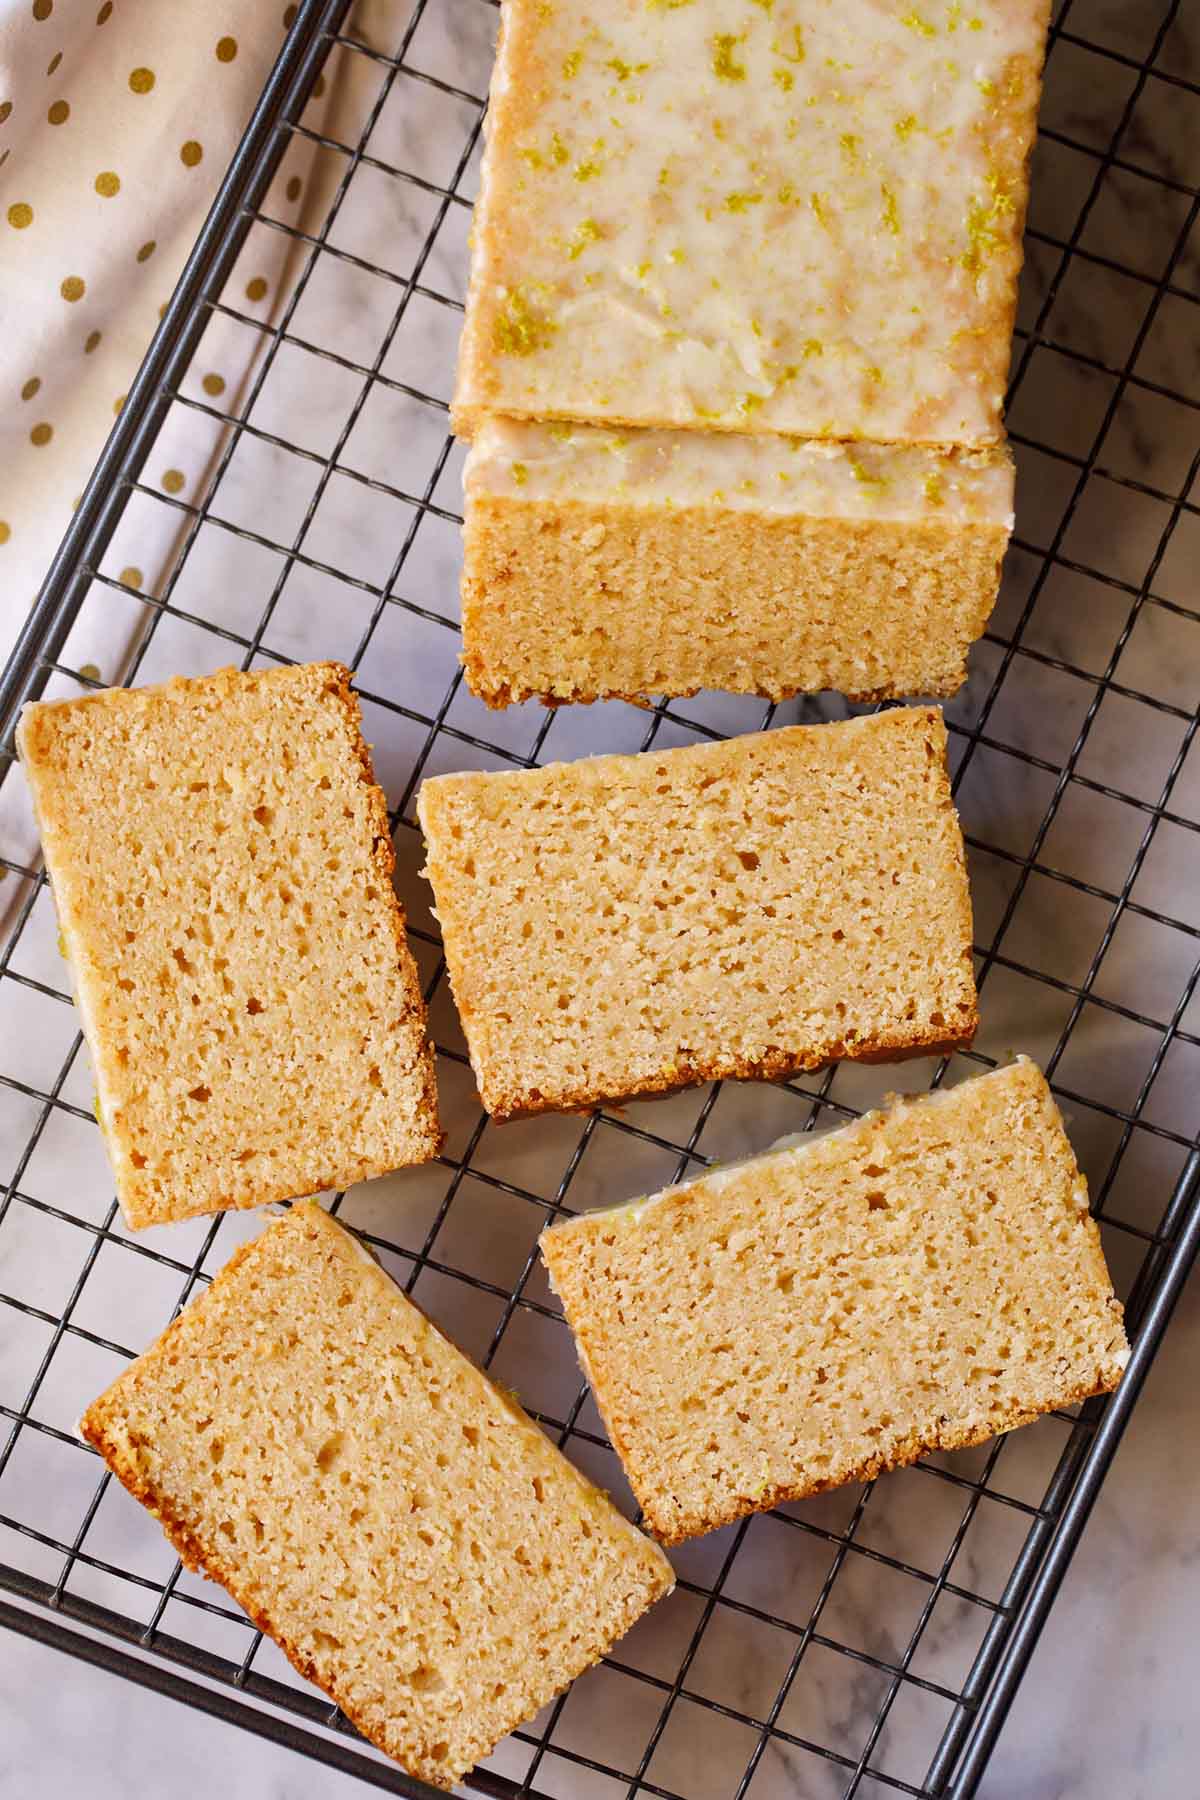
(117, 120)
(150, 100)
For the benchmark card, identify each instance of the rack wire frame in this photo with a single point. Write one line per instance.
(237, 1691)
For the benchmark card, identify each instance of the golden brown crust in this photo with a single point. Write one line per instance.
(497, 695)
(384, 852)
(779, 1065)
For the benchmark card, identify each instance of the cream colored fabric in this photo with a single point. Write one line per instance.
(208, 60)
(117, 121)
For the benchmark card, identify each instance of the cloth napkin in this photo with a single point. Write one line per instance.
(117, 120)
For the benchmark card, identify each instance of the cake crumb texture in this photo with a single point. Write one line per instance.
(221, 865)
(628, 925)
(920, 1280)
(410, 1539)
(577, 600)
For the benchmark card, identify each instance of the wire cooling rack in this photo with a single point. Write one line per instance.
(869, 1642)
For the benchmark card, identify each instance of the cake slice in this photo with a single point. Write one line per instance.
(919, 1280)
(600, 563)
(405, 1533)
(753, 217)
(221, 864)
(628, 925)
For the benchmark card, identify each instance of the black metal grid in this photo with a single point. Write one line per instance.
(972, 1545)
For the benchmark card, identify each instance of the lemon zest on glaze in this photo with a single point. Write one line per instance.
(724, 65)
(520, 327)
(585, 233)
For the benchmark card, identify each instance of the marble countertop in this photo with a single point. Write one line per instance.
(1101, 580)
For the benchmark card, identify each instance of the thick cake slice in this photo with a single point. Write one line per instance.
(742, 216)
(630, 924)
(221, 865)
(600, 563)
(919, 1280)
(404, 1532)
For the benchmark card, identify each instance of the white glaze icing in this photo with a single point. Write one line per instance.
(755, 214)
(745, 473)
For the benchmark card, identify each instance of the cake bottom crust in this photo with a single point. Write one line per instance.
(567, 600)
(775, 1065)
(676, 1525)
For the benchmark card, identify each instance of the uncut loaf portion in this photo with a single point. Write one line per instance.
(635, 563)
(771, 252)
(919, 1280)
(627, 925)
(724, 216)
(221, 865)
(411, 1540)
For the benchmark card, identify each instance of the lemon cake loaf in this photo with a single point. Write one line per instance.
(764, 217)
(221, 864)
(411, 1540)
(628, 925)
(600, 563)
(919, 1280)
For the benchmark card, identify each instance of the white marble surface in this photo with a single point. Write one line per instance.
(1107, 1713)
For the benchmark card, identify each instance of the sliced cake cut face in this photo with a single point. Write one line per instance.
(919, 1280)
(606, 563)
(410, 1539)
(221, 865)
(752, 217)
(628, 925)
